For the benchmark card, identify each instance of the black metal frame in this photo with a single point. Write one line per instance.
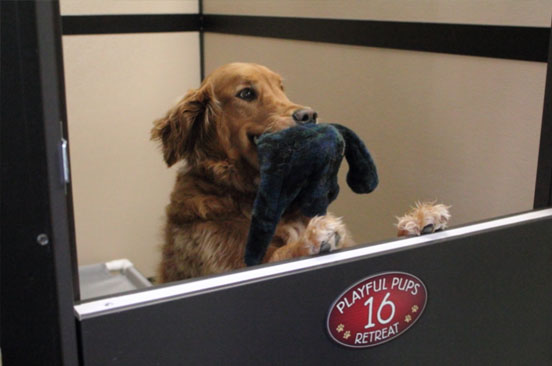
(38, 256)
(38, 266)
(509, 42)
(143, 23)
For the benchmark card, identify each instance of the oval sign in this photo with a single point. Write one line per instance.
(377, 309)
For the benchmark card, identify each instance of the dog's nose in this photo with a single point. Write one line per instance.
(306, 115)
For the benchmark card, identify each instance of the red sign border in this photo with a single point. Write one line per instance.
(366, 279)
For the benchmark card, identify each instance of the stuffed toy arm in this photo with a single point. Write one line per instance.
(362, 176)
(298, 166)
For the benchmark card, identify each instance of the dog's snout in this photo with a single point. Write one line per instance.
(306, 115)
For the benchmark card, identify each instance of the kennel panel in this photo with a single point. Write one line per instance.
(488, 303)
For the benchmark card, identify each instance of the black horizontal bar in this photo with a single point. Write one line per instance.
(508, 42)
(110, 24)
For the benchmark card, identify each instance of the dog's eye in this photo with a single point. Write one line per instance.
(247, 94)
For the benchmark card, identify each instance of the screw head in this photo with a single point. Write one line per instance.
(42, 239)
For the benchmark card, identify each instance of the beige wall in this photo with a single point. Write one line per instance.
(87, 7)
(116, 86)
(458, 129)
(463, 130)
(498, 12)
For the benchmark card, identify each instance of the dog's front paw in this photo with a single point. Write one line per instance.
(323, 234)
(424, 218)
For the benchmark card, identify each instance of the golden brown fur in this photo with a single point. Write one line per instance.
(212, 129)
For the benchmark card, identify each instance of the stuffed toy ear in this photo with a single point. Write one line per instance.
(362, 176)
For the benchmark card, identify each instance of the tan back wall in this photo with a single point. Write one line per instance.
(534, 13)
(458, 129)
(104, 7)
(116, 86)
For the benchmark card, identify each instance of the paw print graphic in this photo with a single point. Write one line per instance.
(340, 328)
(408, 318)
(347, 334)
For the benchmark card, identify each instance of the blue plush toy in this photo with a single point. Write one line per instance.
(298, 166)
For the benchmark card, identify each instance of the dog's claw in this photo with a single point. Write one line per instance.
(337, 238)
(325, 247)
(428, 229)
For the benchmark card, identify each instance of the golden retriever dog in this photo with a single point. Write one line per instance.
(213, 130)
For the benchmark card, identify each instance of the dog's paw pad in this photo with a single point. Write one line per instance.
(323, 235)
(424, 218)
(331, 244)
(428, 229)
(325, 247)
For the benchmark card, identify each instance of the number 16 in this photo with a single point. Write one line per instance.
(370, 304)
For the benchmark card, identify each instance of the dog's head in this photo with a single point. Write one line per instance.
(221, 120)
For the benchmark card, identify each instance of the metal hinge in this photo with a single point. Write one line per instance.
(65, 174)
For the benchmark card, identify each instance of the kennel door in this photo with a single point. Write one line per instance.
(488, 302)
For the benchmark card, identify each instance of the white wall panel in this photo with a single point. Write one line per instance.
(116, 86)
(104, 7)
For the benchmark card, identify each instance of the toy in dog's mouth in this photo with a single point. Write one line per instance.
(298, 166)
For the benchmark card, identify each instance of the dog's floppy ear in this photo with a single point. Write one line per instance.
(184, 126)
